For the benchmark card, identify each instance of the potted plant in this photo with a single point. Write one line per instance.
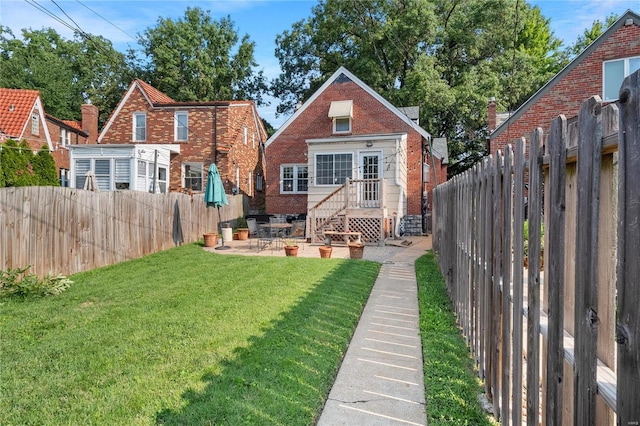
(356, 250)
(290, 247)
(325, 251)
(243, 230)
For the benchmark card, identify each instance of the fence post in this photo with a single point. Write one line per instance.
(628, 318)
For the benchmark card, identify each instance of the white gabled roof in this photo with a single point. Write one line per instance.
(340, 71)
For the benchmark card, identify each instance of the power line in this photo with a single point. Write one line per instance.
(106, 20)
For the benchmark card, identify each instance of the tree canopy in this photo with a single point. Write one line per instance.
(198, 58)
(446, 56)
(66, 72)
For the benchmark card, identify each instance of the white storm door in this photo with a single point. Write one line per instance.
(370, 173)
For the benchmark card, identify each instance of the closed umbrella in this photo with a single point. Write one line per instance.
(214, 196)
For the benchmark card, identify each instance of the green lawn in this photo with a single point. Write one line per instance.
(182, 337)
(451, 384)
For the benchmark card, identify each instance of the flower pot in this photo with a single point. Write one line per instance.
(356, 250)
(235, 236)
(243, 234)
(210, 239)
(291, 250)
(325, 252)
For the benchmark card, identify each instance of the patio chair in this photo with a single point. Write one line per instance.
(298, 230)
(264, 236)
(253, 229)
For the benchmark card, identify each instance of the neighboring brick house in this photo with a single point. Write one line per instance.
(22, 117)
(347, 142)
(228, 133)
(598, 70)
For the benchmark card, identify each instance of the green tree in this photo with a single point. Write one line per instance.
(446, 56)
(44, 167)
(589, 35)
(16, 164)
(193, 59)
(66, 72)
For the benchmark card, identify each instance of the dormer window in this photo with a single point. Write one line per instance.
(341, 113)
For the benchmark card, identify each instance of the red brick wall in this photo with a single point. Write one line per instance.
(584, 81)
(369, 116)
(202, 139)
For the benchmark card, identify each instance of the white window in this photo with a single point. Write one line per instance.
(341, 113)
(103, 174)
(613, 74)
(244, 134)
(333, 169)
(162, 179)
(236, 189)
(139, 126)
(192, 173)
(294, 178)
(253, 140)
(250, 184)
(152, 175)
(82, 167)
(65, 137)
(35, 125)
(123, 173)
(181, 120)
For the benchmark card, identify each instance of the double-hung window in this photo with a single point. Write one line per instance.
(181, 120)
(65, 137)
(139, 126)
(614, 72)
(294, 178)
(192, 173)
(333, 169)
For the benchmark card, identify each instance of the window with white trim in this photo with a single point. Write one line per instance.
(294, 178)
(192, 173)
(139, 126)
(250, 184)
(614, 72)
(35, 125)
(244, 134)
(82, 167)
(65, 137)
(123, 173)
(181, 126)
(333, 169)
(103, 174)
(162, 179)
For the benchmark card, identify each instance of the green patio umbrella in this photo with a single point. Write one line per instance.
(214, 196)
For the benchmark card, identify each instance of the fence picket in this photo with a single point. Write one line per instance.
(628, 268)
(507, 214)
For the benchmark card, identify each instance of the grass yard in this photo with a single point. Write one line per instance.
(451, 384)
(182, 337)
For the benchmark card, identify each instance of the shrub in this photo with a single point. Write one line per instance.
(17, 282)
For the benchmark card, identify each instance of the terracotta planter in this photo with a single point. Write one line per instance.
(235, 236)
(291, 251)
(356, 250)
(210, 239)
(243, 234)
(325, 252)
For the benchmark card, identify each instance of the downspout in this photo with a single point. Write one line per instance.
(396, 230)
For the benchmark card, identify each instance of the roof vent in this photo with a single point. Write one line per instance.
(628, 22)
(12, 108)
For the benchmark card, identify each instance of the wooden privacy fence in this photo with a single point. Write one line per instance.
(66, 230)
(561, 346)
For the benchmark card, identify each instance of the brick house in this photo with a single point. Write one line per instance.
(22, 117)
(598, 70)
(351, 161)
(228, 133)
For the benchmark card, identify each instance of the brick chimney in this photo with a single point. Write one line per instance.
(90, 121)
(491, 113)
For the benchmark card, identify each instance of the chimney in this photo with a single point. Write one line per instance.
(90, 121)
(491, 113)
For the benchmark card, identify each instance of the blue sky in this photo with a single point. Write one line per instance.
(121, 20)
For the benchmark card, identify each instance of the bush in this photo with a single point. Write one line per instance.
(17, 282)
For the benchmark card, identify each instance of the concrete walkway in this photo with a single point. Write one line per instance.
(380, 381)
